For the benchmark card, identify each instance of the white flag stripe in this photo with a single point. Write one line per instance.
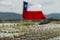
(33, 6)
(36, 7)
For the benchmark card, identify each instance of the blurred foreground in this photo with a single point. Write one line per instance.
(30, 32)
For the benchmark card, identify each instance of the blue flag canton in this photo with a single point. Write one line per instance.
(25, 5)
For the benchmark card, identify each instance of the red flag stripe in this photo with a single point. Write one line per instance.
(32, 15)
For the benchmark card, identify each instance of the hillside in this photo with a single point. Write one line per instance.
(53, 15)
(10, 15)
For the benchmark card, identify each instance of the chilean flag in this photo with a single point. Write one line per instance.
(32, 13)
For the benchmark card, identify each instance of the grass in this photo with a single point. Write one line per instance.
(43, 33)
(26, 23)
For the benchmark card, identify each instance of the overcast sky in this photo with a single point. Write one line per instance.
(48, 6)
(11, 6)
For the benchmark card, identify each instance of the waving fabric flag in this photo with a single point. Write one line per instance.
(32, 13)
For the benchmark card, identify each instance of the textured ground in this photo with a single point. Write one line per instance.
(35, 32)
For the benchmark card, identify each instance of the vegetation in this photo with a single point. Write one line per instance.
(24, 23)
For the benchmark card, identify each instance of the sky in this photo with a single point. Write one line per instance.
(48, 6)
(11, 6)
